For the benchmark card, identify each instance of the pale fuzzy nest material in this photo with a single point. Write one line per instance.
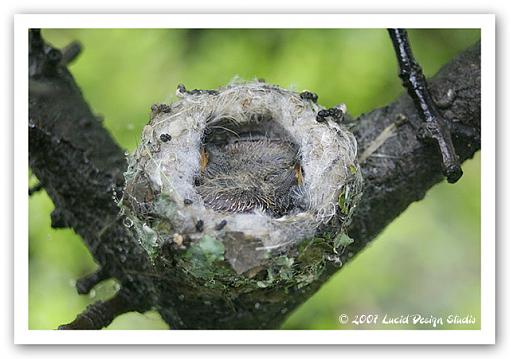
(160, 181)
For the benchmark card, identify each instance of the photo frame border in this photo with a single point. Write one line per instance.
(485, 22)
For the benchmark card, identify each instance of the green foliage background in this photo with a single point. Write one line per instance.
(427, 261)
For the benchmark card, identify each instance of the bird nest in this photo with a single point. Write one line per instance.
(245, 172)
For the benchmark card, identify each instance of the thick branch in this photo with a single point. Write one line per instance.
(81, 167)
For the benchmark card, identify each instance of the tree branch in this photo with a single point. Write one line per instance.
(80, 167)
(433, 127)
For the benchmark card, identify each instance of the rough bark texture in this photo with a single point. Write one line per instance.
(81, 168)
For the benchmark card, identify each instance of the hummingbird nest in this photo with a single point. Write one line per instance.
(244, 173)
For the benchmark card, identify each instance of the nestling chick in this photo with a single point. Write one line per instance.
(250, 173)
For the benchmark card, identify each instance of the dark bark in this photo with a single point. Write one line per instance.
(81, 168)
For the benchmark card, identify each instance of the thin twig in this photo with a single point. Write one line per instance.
(100, 314)
(86, 283)
(71, 52)
(35, 188)
(434, 126)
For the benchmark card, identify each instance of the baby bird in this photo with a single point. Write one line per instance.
(250, 173)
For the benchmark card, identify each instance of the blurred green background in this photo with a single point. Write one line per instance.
(427, 261)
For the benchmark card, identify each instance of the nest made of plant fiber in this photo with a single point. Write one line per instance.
(249, 165)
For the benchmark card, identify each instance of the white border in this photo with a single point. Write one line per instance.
(22, 335)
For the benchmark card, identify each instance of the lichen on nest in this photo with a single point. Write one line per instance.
(242, 176)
